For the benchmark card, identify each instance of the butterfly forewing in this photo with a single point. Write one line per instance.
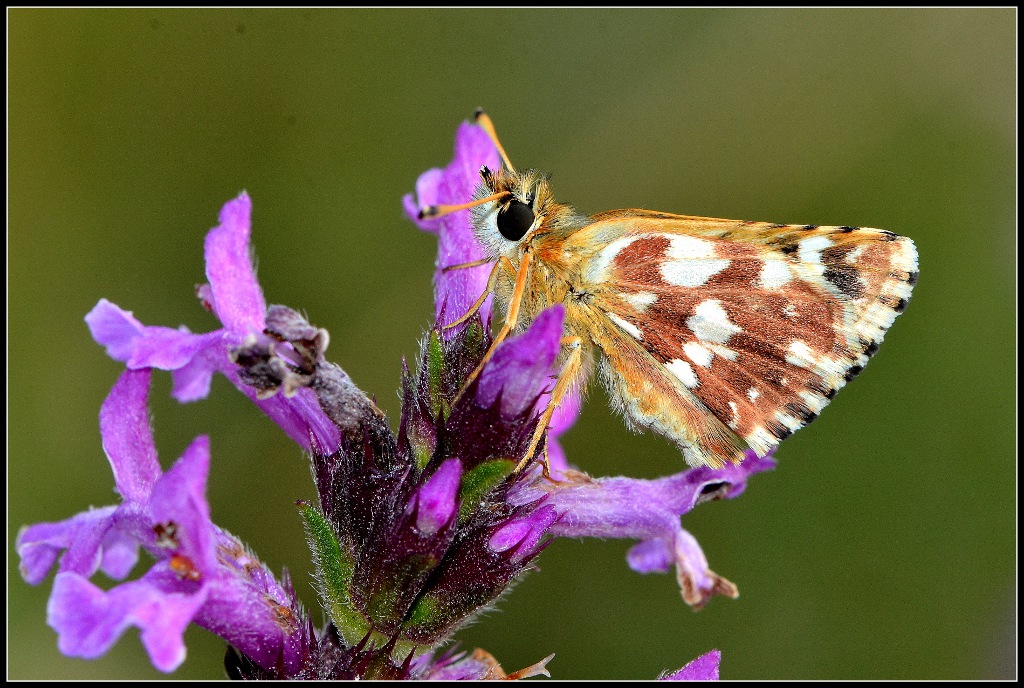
(723, 334)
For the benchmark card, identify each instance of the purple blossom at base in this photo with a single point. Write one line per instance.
(201, 573)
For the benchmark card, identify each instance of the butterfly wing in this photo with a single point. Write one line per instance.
(723, 335)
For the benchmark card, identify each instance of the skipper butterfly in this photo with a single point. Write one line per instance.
(720, 335)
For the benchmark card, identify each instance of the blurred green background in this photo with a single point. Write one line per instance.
(883, 546)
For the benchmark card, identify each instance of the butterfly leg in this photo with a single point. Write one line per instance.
(487, 290)
(569, 373)
(463, 266)
(511, 317)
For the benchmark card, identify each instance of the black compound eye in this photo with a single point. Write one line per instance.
(515, 220)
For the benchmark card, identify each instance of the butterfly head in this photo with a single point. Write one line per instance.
(524, 211)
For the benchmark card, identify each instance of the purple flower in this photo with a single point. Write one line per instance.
(414, 534)
(201, 573)
(235, 297)
(645, 510)
(704, 668)
(436, 500)
(649, 511)
(406, 550)
(455, 292)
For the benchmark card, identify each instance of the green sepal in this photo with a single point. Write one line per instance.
(334, 567)
(382, 606)
(479, 481)
(422, 448)
(474, 337)
(423, 612)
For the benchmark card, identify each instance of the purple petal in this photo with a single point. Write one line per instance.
(437, 499)
(684, 490)
(89, 621)
(120, 553)
(113, 328)
(238, 299)
(650, 556)
(704, 668)
(300, 416)
(192, 381)
(521, 536)
(455, 291)
(40, 544)
(628, 507)
(192, 358)
(427, 189)
(179, 497)
(649, 511)
(169, 349)
(521, 367)
(247, 607)
(697, 582)
(127, 436)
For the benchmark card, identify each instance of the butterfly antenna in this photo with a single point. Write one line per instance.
(432, 211)
(481, 118)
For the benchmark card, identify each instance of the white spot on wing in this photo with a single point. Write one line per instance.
(753, 394)
(597, 268)
(640, 300)
(735, 415)
(800, 355)
(691, 262)
(682, 370)
(775, 274)
(698, 354)
(711, 323)
(626, 326)
(810, 249)
(723, 351)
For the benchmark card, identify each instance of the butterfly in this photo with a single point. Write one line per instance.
(720, 335)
